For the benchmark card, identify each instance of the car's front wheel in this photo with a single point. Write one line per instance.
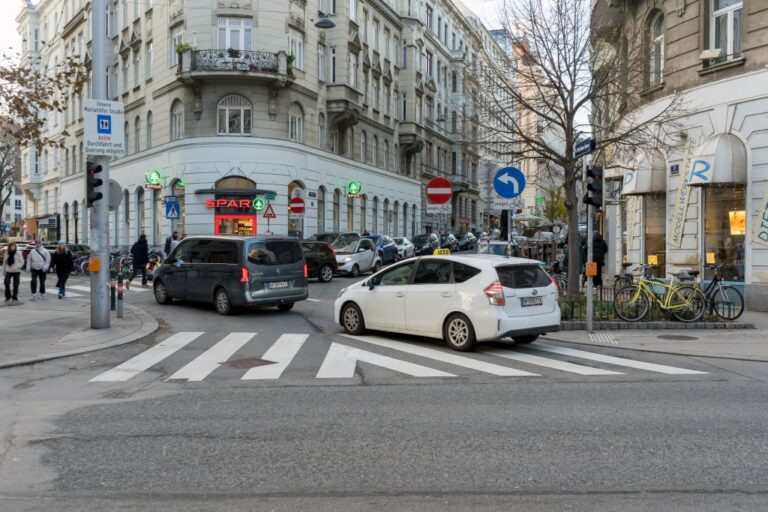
(458, 333)
(352, 319)
(161, 293)
(325, 274)
(355, 271)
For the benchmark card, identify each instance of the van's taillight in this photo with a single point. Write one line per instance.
(306, 271)
(245, 276)
(495, 294)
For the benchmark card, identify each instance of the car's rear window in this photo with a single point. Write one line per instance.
(274, 252)
(523, 276)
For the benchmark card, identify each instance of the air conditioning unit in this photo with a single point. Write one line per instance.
(714, 53)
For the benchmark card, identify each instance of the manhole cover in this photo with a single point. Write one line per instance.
(248, 362)
(676, 337)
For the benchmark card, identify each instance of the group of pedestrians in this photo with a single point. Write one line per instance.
(38, 262)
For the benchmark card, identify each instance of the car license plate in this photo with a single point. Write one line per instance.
(531, 301)
(278, 284)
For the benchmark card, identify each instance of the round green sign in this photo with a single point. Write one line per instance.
(153, 177)
(354, 187)
(258, 204)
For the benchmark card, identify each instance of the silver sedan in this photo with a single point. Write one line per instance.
(405, 249)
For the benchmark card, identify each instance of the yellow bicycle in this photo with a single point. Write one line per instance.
(685, 302)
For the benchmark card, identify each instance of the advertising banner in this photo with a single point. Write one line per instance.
(680, 204)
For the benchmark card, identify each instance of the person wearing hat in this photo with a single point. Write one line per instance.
(140, 254)
(38, 262)
(64, 264)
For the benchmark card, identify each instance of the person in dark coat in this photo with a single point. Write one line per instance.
(64, 264)
(140, 254)
(599, 251)
(169, 242)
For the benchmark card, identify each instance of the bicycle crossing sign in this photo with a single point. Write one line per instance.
(172, 210)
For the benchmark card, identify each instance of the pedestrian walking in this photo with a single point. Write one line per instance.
(599, 251)
(64, 264)
(140, 254)
(13, 262)
(38, 262)
(169, 243)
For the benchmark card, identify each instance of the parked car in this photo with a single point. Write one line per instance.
(385, 246)
(459, 298)
(497, 248)
(320, 258)
(356, 255)
(467, 242)
(234, 271)
(405, 248)
(449, 241)
(425, 244)
(331, 236)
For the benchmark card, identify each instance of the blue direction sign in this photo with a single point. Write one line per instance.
(509, 182)
(172, 210)
(584, 147)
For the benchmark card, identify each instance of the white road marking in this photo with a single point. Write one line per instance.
(341, 361)
(79, 288)
(148, 358)
(281, 353)
(446, 357)
(205, 363)
(314, 300)
(618, 361)
(549, 363)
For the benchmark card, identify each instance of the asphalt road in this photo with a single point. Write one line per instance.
(180, 435)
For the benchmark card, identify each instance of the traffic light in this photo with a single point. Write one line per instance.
(93, 183)
(594, 195)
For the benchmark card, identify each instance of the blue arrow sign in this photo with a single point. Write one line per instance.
(509, 182)
(172, 210)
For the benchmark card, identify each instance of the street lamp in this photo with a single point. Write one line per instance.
(325, 22)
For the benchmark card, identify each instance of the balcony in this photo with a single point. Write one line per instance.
(226, 64)
(427, 171)
(462, 183)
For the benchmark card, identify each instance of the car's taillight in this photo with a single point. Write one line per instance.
(245, 276)
(495, 294)
(553, 282)
(331, 251)
(306, 271)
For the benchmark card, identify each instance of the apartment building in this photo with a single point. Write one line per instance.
(704, 201)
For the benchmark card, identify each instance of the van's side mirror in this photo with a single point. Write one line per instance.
(177, 262)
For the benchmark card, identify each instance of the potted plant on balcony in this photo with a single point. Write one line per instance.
(180, 49)
(233, 54)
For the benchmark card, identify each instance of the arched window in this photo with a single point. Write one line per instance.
(395, 218)
(386, 216)
(66, 222)
(74, 220)
(234, 113)
(363, 147)
(375, 151)
(375, 215)
(139, 211)
(149, 129)
(177, 120)
(125, 139)
(413, 221)
(321, 209)
(405, 219)
(137, 135)
(363, 207)
(656, 49)
(126, 215)
(396, 159)
(321, 131)
(296, 123)
(350, 213)
(385, 162)
(336, 209)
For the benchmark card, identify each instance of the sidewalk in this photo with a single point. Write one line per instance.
(34, 331)
(744, 344)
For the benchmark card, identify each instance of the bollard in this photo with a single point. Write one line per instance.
(120, 296)
(112, 295)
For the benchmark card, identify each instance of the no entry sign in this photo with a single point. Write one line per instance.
(439, 190)
(297, 205)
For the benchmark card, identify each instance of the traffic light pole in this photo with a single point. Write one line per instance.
(100, 213)
(590, 283)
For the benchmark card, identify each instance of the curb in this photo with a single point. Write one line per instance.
(148, 326)
(665, 352)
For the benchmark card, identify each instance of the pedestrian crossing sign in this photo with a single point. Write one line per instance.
(172, 210)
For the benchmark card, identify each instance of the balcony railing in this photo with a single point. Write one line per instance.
(237, 60)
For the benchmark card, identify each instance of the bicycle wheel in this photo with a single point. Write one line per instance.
(727, 302)
(687, 303)
(631, 304)
(621, 282)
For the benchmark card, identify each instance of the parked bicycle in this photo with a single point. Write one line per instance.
(626, 278)
(723, 300)
(685, 302)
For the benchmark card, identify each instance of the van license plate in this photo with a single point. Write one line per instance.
(531, 301)
(278, 284)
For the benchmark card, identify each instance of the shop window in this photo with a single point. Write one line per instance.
(724, 231)
(336, 209)
(363, 212)
(350, 213)
(655, 219)
(320, 210)
(375, 215)
(234, 115)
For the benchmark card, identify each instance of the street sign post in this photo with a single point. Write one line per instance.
(104, 127)
(269, 213)
(584, 147)
(296, 207)
(439, 192)
(508, 183)
(172, 210)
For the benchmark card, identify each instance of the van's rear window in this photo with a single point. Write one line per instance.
(276, 252)
(523, 276)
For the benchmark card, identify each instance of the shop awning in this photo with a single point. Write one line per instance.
(721, 159)
(648, 175)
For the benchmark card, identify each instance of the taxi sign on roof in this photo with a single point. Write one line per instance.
(441, 252)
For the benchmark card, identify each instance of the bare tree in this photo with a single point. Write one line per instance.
(9, 166)
(573, 82)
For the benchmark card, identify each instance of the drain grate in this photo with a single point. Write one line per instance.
(676, 337)
(248, 362)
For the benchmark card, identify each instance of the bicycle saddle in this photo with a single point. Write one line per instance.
(625, 265)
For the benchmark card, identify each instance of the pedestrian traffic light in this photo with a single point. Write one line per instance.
(594, 195)
(93, 183)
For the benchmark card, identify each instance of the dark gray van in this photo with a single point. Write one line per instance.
(233, 271)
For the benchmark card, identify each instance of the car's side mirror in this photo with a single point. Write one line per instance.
(362, 249)
(177, 262)
(371, 284)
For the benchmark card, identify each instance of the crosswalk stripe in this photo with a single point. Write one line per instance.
(205, 363)
(148, 358)
(281, 353)
(550, 363)
(79, 288)
(618, 361)
(446, 357)
(341, 361)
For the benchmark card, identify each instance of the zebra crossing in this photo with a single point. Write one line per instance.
(74, 290)
(344, 353)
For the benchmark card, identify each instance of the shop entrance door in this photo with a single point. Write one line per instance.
(243, 225)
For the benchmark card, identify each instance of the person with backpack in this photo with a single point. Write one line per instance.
(140, 254)
(13, 262)
(64, 264)
(38, 263)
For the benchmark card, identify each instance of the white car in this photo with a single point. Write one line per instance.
(354, 256)
(461, 299)
(405, 249)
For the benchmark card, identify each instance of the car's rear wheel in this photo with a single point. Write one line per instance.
(524, 340)
(325, 274)
(285, 307)
(458, 333)
(352, 319)
(221, 302)
(161, 293)
(355, 271)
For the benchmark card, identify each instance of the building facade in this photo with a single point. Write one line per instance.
(232, 101)
(702, 201)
